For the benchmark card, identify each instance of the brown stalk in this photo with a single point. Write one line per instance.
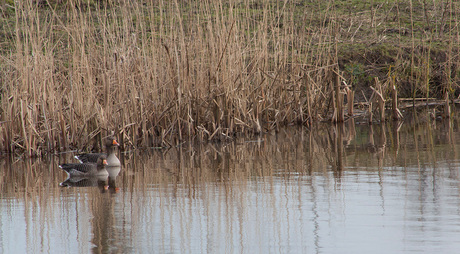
(338, 99)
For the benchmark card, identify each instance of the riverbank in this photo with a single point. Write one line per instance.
(157, 74)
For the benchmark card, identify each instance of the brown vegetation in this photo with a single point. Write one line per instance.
(159, 73)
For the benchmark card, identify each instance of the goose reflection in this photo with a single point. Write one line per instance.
(113, 171)
(85, 181)
(103, 182)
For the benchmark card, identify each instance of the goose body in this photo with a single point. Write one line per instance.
(112, 159)
(87, 168)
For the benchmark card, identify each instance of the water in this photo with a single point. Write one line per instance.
(352, 189)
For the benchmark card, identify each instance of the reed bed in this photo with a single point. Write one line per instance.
(158, 73)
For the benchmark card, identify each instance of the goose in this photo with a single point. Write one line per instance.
(87, 168)
(112, 159)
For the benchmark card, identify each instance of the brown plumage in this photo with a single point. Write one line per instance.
(87, 168)
(112, 159)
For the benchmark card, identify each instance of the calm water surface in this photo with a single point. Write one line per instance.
(351, 189)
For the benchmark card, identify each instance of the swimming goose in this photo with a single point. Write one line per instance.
(112, 159)
(87, 168)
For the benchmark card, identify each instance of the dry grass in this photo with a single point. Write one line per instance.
(160, 73)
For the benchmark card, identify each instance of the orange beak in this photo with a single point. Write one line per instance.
(115, 143)
(105, 162)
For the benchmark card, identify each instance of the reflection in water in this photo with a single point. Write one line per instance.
(113, 173)
(88, 181)
(104, 240)
(105, 182)
(336, 189)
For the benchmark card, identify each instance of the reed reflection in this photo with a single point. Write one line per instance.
(291, 191)
(234, 194)
(33, 217)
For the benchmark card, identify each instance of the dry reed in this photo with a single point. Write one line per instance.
(160, 73)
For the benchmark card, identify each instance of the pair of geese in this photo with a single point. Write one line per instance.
(93, 164)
